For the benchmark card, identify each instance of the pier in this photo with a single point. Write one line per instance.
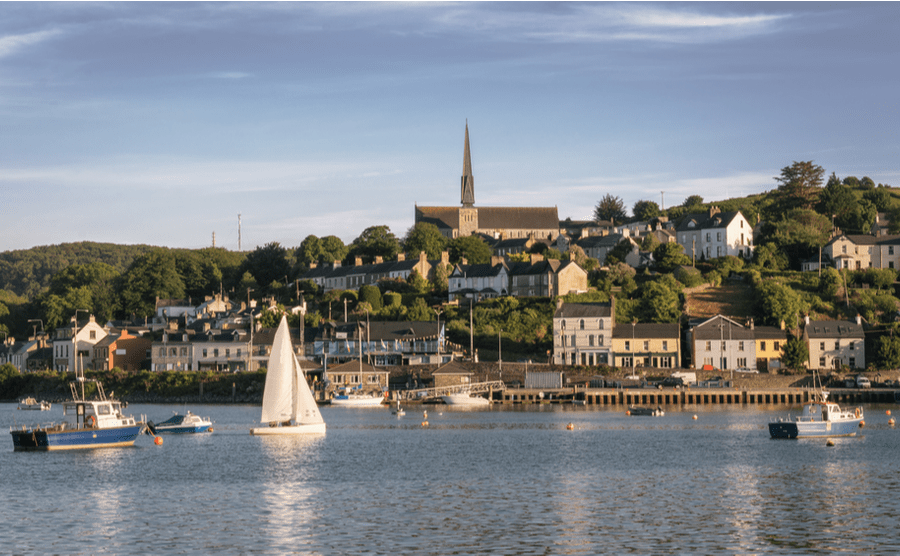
(689, 396)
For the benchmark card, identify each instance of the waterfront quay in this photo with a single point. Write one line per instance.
(626, 397)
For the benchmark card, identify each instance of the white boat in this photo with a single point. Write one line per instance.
(357, 399)
(189, 423)
(33, 404)
(288, 404)
(820, 418)
(464, 398)
(399, 411)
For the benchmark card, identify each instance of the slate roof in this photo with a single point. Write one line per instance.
(647, 330)
(709, 330)
(610, 240)
(703, 221)
(578, 310)
(833, 329)
(769, 333)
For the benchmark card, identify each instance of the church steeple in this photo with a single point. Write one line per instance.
(468, 180)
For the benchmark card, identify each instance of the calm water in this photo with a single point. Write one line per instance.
(501, 480)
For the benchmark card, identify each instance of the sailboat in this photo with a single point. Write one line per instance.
(288, 405)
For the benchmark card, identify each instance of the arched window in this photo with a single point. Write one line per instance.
(582, 324)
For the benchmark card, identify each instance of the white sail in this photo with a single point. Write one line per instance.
(279, 392)
(307, 410)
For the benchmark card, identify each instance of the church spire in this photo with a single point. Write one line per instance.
(468, 180)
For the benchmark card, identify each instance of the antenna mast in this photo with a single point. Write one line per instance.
(239, 231)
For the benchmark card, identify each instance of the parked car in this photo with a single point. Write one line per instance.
(672, 381)
(746, 370)
(863, 382)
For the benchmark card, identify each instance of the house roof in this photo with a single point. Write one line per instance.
(355, 366)
(578, 310)
(730, 330)
(452, 368)
(833, 329)
(647, 330)
(769, 333)
(703, 221)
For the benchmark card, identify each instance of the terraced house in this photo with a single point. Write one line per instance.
(583, 333)
(835, 343)
(652, 345)
(859, 252)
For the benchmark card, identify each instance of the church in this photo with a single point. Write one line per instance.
(496, 222)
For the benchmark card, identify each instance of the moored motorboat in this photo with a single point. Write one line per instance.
(94, 423)
(646, 411)
(820, 418)
(357, 400)
(178, 424)
(464, 398)
(33, 404)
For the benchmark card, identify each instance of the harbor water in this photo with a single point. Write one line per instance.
(495, 480)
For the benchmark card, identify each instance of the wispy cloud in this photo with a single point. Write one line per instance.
(11, 44)
(228, 75)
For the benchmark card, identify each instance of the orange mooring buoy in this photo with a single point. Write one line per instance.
(862, 424)
(570, 427)
(628, 412)
(694, 417)
(891, 421)
(888, 412)
(158, 440)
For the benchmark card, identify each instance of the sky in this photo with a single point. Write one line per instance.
(161, 123)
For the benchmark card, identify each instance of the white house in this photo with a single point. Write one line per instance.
(715, 234)
(65, 349)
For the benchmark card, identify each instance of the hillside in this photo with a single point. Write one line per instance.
(732, 300)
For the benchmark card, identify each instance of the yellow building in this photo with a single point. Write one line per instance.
(646, 345)
(770, 342)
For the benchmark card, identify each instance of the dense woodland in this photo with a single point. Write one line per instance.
(43, 286)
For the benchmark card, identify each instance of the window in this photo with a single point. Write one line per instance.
(93, 335)
(708, 346)
(837, 344)
(581, 324)
(204, 352)
(665, 345)
(852, 346)
(173, 352)
(762, 345)
(184, 352)
(890, 249)
(723, 345)
(740, 347)
(627, 345)
(821, 346)
(162, 352)
(238, 354)
(227, 353)
(591, 340)
(821, 362)
(646, 345)
(853, 362)
(844, 249)
(707, 236)
(601, 324)
(742, 362)
(777, 345)
(718, 236)
(599, 340)
(216, 352)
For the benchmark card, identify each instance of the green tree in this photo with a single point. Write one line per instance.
(333, 249)
(419, 284)
(375, 241)
(861, 218)
(310, 251)
(419, 311)
(610, 208)
(836, 199)
(880, 197)
(693, 203)
(472, 248)
(645, 210)
(887, 349)
(669, 256)
(268, 264)
(620, 252)
(425, 237)
(440, 281)
(799, 185)
(776, 302)
(150, 276)
(649, 243)
(371, 295)
(8, 371)
(830, 283)
(795, 354)
(658, 303)
(799, 234)
(690, 277)
(770, 257)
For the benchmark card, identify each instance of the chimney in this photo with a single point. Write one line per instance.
(536, 258)
(714, 211)
(806, 319)
(781, 324)
(858, 319)
(495, 260)
(401, 257)
(445, 257)
(751, 324)
(358, 261)
(423, 257)
(463, 261)
(379, 259)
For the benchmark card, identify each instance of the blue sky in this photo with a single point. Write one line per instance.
(160, 123)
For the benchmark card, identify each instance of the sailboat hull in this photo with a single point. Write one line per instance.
(315, 428)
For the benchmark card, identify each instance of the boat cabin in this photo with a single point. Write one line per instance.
(95, 414)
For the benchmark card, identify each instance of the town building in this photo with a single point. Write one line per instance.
(651, 345)
(721, 343)
(541, 223)
(69, 350)
(582, 333)
(715, 234)
(862, 251)
(770, 342)
(835, 343)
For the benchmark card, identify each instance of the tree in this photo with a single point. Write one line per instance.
(371, 295)
(837, 200)
(610, 208)
(268, 264)
(659, 303)
(861, 218)
(645, 210)
(472, 248)
(418, 284)
(693, 202)
(375, 241)
(419, 311)
(310, 251)
(669, 256)
(426, 237)
(800, 183)
(441, 277)
(690, 277)
(776, 302)
(880, 197)
(799, 234)
(619, 253)
(8, 371)
(769, 256)
(830, 283)
(795, 354)
(649, 243)
(887, 348)
(150, 276)
(333, 249)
